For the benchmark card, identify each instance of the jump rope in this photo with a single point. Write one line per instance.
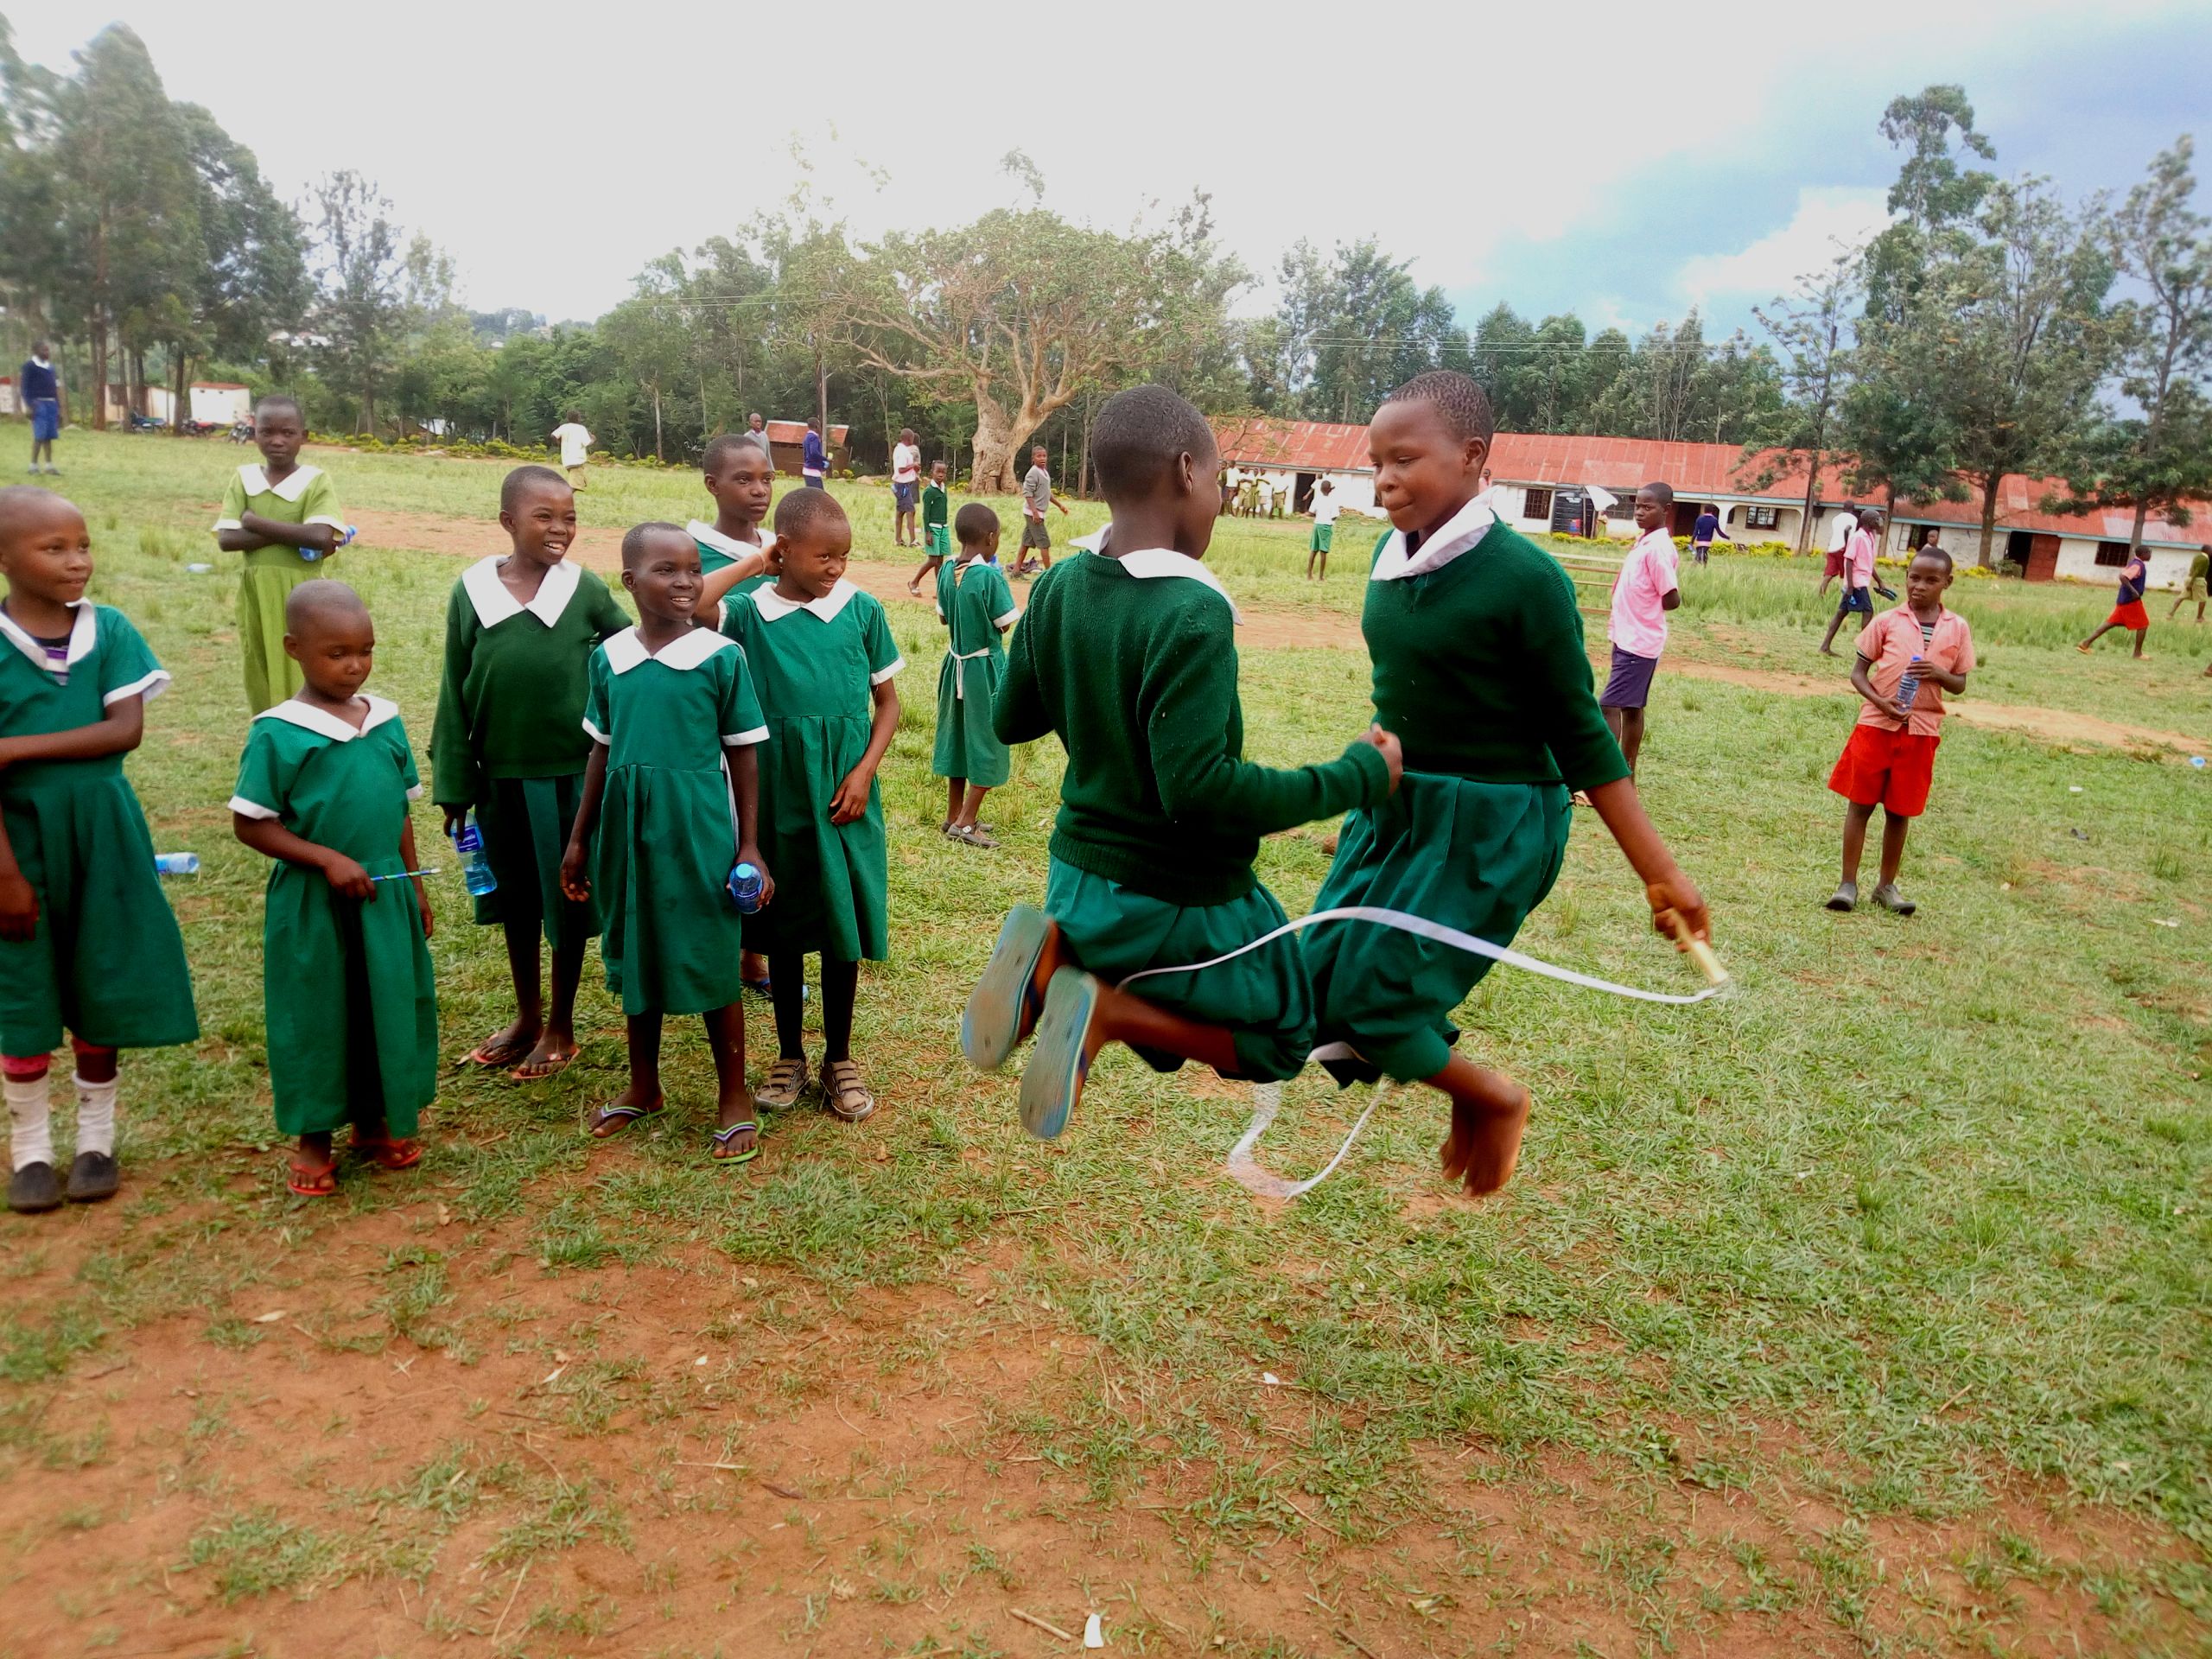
(1244, 1169)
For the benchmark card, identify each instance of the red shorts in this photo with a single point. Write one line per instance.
(1891, 770)
(2131, 616)
(1835, 566)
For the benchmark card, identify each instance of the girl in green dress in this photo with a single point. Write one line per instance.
(87, 943)
(976, 607)
(509, 743)
(821, 651)
(284, 518)
(668, 811)
(352, 1010)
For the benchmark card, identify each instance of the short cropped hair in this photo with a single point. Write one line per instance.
(1138, 435)
(801, 510)
(25, 504)
(1659, 490)
(722, 444)
(639, 537)
(975, 524)
(1462, 405)
(1934, 550)
(523, 480)
(281, 400)
(311, 602)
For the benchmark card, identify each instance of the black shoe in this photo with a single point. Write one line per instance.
(32, 1190)
(94, 1176)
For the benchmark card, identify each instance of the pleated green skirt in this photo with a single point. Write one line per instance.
(270, 676)
(674, 942)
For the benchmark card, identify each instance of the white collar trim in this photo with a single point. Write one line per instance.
(84, 633)
(700, 530)
(1459, 532)
(773, 606)
(294, 487)
(323, 723)
(494, 604)
(1147, 563)
(625, 651)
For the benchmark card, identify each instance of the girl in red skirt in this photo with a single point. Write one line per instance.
(2128, 612)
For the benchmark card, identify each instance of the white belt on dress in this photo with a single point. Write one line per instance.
(959, 674)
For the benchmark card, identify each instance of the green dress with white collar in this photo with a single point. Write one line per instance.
(303, 497)
(105, 960)
(352, 1004)
(817, 665)
(667, 832)
(974, 602)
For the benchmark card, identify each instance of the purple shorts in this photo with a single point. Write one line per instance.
(1629, 686)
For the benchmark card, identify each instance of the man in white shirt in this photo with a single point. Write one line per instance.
(1325, 509)
(1840, 529)
(906, 487)
(575, 442)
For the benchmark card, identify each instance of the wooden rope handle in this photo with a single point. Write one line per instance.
(1699, 951)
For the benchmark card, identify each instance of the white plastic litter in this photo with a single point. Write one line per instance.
(1094, 1631)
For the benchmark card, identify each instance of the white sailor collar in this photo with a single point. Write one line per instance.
(323, 723)
(294, 487)
(1148, 562)
(625, 651)
(773, 606)
(707, 536)
(1454, 537)
(84, 633)
(494, 604)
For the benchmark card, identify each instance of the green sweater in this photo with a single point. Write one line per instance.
(1138, 677)
(937, 509)
(1479, 670)
(511, 703)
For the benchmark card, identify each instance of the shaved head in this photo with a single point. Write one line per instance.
(637, 540)
(523, 480)
(799, 512)
(314, 603)
(26, 506)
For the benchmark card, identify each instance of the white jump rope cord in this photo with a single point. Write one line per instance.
(1267, 1096)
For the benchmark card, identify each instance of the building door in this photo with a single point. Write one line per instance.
(2019, 546)
(1301, 493)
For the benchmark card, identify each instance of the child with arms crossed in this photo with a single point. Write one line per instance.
(509, 743)
(1129, 655)
(283, 516)
(824, 658)
(87, 943)
(668, 811)
(1479, 667)
(976, 607)
(351, 1006)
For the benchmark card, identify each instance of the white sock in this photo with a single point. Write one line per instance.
(96, 1117)
(31, 1132)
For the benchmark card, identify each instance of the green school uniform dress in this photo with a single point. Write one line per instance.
(937, 522)
(304, 497)
(814, 663)
(352, 1007)
(1132, 663)
(667, 833)
(974, 603)
(105, 961)
(1480, 669)
(509, 740)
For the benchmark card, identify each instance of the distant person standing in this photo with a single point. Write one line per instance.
(2128, 611)
(1267, 498)
(1839, 531)
(1325, 509)
(1036, 496)
(40, 386)
(906, 487)
(1857, 576)
(756, 429)
(2200, 576)
(576, 441)
(814, 460)
(1643, 592)
(1707, 528)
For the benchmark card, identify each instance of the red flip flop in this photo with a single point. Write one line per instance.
(313, 1181)
(387, 1153)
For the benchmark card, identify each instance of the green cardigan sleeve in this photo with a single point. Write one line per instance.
(1019, 715)
(454, 780)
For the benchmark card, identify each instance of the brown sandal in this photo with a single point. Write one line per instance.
(844, 1092)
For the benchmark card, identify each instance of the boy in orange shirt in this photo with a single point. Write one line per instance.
(1908, 658)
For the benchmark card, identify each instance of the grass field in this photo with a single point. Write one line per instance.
(1866, 1311)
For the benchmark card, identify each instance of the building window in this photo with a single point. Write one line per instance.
(1762, 517)
(1623, 505)
(2112, 553)
(1536, 504)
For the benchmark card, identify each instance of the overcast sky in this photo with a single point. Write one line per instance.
(1614, 160)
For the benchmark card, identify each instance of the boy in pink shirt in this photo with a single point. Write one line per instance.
(1908, 658)
(1857, 576)
(1643, 592)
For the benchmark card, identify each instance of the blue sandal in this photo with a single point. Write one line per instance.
(1058, 1066)
(723, 1137)
(991, 1024)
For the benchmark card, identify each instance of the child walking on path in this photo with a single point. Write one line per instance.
(1857, 576)
(821, 651)
(351, 1005)
(1129, 655)
(2128, 611)
(283, 516)
(976, 607)
(2193, 591)
(668, 811)
(1479, 667)
(936, 538)
(1908, 658)
(508, 743)
(1644, 591)
(88, 946)
(1325, 509)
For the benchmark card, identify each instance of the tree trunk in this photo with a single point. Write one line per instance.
(657, 455)
(822, 404)
(99, 371)
(2135, 534)
(179, 407)
(1989, 519)
(1082, 461)
(993, 445)
(1812, 503)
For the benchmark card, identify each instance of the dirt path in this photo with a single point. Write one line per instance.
(1269, 629)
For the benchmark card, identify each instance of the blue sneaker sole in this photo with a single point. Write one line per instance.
(1055, 1074)
(991, 1022)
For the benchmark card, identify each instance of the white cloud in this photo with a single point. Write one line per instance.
(1829, 221)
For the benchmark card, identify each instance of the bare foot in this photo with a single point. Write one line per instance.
(549, 1058)
(1485, 1143)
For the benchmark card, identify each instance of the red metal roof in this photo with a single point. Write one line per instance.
(1301, 446)
(220, 385)
(795, 432)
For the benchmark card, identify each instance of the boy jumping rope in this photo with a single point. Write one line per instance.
(1128, 656)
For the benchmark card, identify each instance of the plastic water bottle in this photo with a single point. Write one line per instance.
(176, 864)
(475, 868)
(745, 888)
(351, 531)
(1909, 687)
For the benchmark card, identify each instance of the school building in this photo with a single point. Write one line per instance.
(787, 445)
(1547, 480)
(214, 402)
